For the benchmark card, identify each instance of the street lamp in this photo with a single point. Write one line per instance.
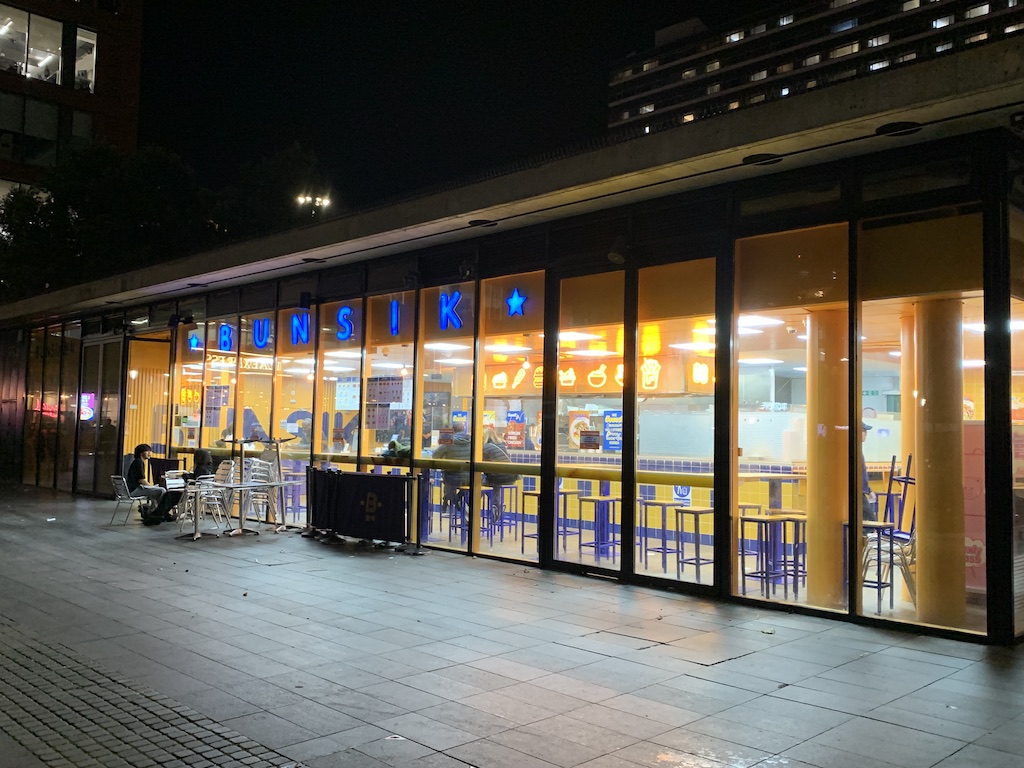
(314, 203)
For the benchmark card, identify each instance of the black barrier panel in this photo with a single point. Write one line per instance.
(358, 504)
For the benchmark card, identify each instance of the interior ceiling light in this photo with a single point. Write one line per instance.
(390, 366)
(800, 368)
(748, 331)
(590, 352)
(974, 363)
(507, 348)
(897, 353)
(756, 321)
(904, 128)
(338, 368)
(455, 361)
(760, 361)
(576, 336)
(695, 346)
(445, 346)
(704, 331)
(353, 354)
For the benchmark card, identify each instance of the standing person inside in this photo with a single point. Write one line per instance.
(869, 510)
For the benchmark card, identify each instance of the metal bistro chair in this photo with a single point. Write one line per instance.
(122, 496)
(902, 542)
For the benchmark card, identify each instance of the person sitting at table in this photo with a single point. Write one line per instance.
(460, 449)
(203, 465)
(160, 499)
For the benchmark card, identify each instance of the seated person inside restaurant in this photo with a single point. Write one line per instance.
(459, 449)
(161, 501)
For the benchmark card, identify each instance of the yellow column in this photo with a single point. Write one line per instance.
(938, 465)
(908, 408)
(828, 455)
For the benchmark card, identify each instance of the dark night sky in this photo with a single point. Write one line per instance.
(392, 96)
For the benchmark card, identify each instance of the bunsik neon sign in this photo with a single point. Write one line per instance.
(448, 310)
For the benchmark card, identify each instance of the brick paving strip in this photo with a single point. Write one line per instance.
(71, 712)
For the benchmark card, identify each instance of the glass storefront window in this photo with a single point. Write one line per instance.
(511, 377)
(790, 414)
(187, 392)
(44, 39)
(675, 421)
(49, 410)
(255, 382)
(67, 417)
(445, 371)
(219, 387)
(340, 370)
(13, 39)
(33, 405)
(590, 373)
(85, 60)
(923, 399)
(147, 390)
(292, 423)
(1016, 240)
(388, 372)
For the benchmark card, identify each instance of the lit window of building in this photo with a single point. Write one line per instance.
(844, 50)
(734, 105)
(787, 67)
(714, 88)
(906, 57)
(756, 99)
(785, 20)
(874, 42)
(843, 26)
(976, 11)
(759, 75)
(649, 65)
(1013, 28)
(978, 38)
(711, 66)
(625, 115)
(942, 21)
(734, 37)
(688, 73)
(810, 61)
(646, 108)
(910, 5)
(689, 117)
(784, 91)
(943, 47)
(877, 65)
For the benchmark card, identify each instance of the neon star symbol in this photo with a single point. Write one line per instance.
(193, 342)
(515, 303)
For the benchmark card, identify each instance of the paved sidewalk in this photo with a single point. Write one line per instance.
(122, 646)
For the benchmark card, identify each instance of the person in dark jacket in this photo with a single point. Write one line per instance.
(495, 450)
(203, 465)
(459, 449)
(159, 498)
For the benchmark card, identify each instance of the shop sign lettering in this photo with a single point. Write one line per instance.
(226, 338)
(261, 332)
(448, 306)
(345, 327)
(300, 328)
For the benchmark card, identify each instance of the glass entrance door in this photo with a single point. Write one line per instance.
(99, 418)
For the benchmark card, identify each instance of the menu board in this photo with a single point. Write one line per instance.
(384, 389)
(346, 394)
(612, 431)
(217, 395)
(378, 416)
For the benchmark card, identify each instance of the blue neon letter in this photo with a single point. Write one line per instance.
(345, 328)
(226, 342)
(447, 305)
(261, 332)
(396, 325)
(300, 329)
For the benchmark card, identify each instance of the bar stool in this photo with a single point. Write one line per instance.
(696, 561)
(604, 542)
(664, 549)
(530, 493)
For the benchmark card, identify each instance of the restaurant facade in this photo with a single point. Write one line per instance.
(788, 370)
